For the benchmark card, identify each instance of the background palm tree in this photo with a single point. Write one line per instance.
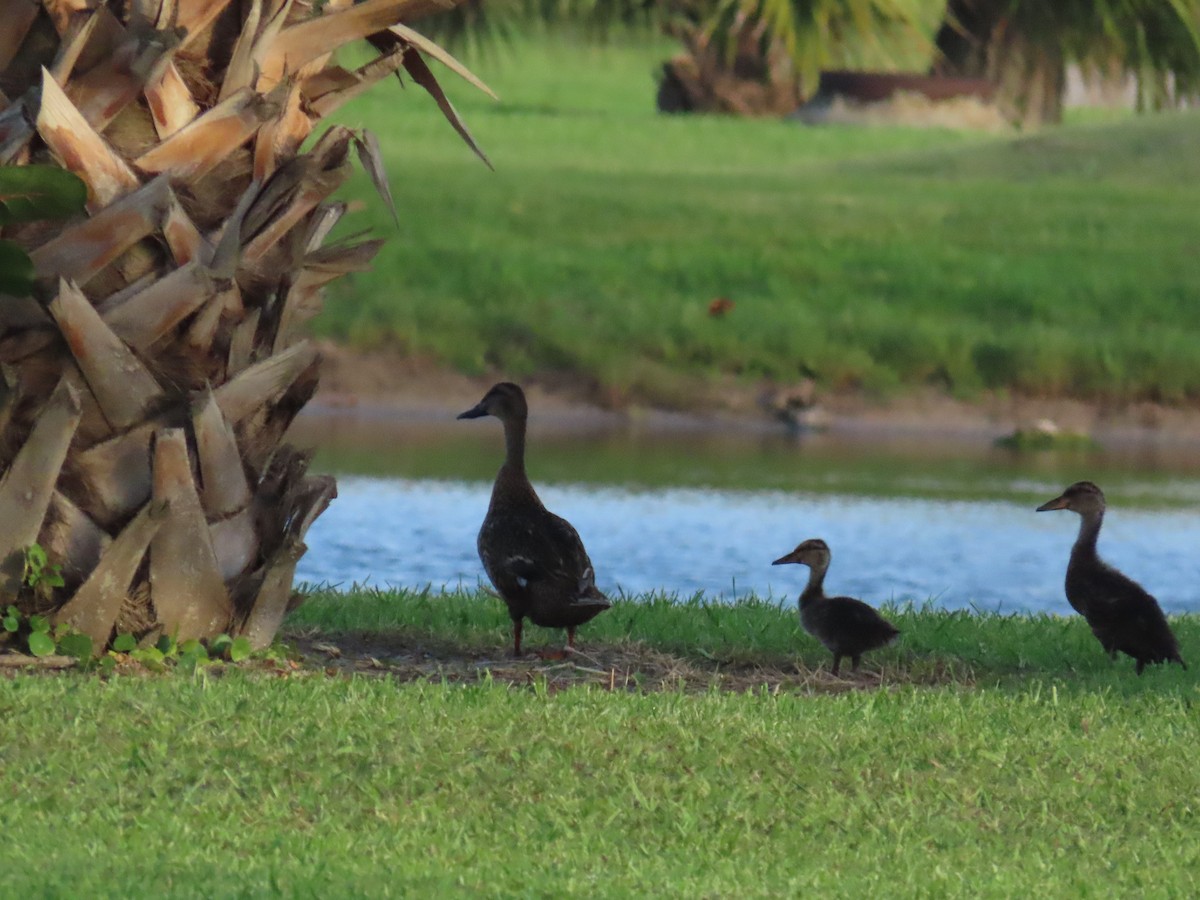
(762, 56)
(150, 377)
(1024, 46)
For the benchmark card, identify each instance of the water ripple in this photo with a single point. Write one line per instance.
(979, 554)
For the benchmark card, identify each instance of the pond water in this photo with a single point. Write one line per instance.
(685, 509)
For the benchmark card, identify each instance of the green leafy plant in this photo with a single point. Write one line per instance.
(29, 193)
(167, 652)
(43, 639)
(39, 573)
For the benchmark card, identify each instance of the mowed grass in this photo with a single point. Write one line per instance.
(1074, 779)
(888, 258)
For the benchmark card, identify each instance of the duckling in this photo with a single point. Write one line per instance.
(846, 626)
(535, 559)
(1122, 615)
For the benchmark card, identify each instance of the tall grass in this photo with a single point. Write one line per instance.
(881, 257)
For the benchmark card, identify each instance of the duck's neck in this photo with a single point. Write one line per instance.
(514, 444)
(1089, 531)
(815, 589)
(512, 485)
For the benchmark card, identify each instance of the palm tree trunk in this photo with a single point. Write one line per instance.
(153, 376)
(978, 39)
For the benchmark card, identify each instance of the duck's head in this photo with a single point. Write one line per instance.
(1082, 497)
(505, 401)
(813, 553)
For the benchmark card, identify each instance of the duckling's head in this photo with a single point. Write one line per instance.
(505, 401)
(813, 553)
(1082, 497)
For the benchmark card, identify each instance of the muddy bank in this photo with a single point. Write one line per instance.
(382, 383)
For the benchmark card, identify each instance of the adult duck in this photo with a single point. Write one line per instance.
(534, 558)
(846, 626)
(1122, 615)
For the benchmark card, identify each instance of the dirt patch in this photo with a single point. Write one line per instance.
(627, 666)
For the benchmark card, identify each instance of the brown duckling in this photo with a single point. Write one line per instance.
(846, 626)
(1122, 615)
(535, 559)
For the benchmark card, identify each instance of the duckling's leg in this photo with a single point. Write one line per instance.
(855, 660)
(518, 626)
(837, 661)
(571, 636)
(1141, 664)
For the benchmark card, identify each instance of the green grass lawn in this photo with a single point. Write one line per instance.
(887, 258)
(1034, 767)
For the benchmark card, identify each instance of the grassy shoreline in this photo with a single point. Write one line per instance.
(753, 634)
(1035, 766)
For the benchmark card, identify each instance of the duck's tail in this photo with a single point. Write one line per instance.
(589, 594)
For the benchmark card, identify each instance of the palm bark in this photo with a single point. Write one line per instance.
(154, 373)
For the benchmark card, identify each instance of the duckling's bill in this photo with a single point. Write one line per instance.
(1059, 502)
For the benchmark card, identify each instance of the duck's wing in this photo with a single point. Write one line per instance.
(1125, 616)
(847, 622)
(536, 553)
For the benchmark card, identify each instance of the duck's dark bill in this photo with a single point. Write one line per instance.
(1056, 503)
(474, 412)
(783, 559)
